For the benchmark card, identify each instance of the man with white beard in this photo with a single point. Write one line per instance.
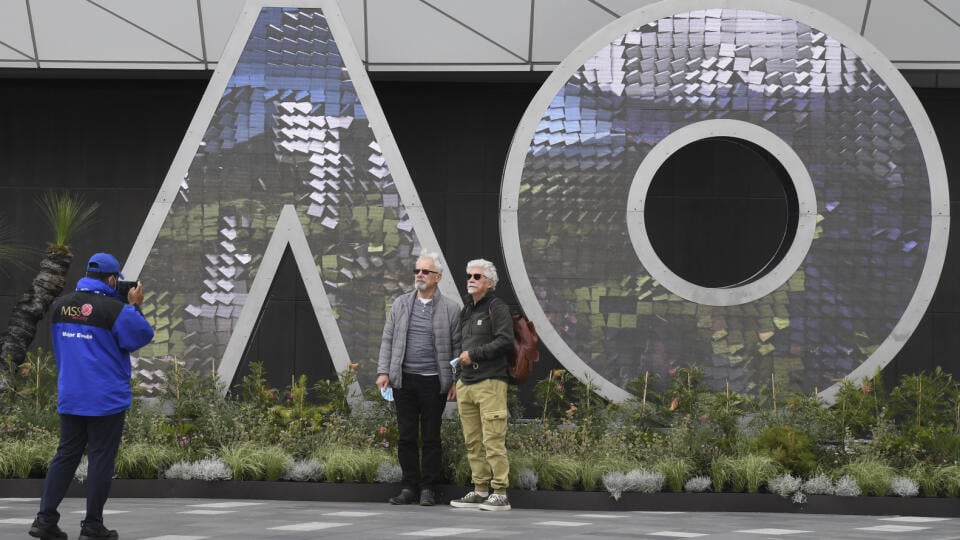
(420, 336)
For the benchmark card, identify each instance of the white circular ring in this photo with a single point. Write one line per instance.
(781, 272)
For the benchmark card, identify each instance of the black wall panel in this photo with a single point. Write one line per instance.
(111, 140)
(287, 338)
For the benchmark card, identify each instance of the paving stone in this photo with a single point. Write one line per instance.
(200, 519)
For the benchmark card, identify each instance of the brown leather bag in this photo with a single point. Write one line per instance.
(525, 353)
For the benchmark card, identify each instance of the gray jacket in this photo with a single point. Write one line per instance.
(446, 338)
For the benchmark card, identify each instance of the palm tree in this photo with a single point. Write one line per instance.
(68, 214)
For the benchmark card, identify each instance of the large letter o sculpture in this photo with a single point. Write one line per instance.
(860, 151)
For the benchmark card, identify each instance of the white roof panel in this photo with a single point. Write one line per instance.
(410, 35)
(911, 31)
(413, 31)
(15, 40)
(79, 31)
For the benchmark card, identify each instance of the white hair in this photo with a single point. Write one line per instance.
(433, 256)
(489, 270)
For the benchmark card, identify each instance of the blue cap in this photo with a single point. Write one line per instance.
(104, 263)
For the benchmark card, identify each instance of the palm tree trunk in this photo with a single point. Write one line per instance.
(26, 314)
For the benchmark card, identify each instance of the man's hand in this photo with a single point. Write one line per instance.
(383, 381)
(135, 296)
(452, 393)
(465, 358)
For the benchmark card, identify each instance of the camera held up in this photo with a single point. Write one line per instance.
(124, 287)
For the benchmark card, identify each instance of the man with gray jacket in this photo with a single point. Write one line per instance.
(421, 335)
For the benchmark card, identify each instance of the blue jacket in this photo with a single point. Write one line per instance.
(93, 333)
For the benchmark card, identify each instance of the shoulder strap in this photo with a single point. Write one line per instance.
(490, 307)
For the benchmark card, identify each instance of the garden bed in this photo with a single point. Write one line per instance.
(546, 500)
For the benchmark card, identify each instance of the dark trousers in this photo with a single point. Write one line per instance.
(420, 405)
(101, 437)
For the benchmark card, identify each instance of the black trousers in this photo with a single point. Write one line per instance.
(420, 405)
(100, 435)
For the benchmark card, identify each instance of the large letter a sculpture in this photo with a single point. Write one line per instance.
(288, 119)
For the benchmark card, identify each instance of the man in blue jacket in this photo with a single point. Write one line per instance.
(93, 332)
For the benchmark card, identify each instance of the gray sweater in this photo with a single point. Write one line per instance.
(446, 335)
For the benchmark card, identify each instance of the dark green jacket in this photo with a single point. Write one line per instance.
(487, 341)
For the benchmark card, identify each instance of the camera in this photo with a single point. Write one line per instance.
(123, 287)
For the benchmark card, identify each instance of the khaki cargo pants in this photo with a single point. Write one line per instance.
(483, 414)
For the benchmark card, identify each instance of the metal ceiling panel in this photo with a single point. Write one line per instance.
(948, 8)
(561, 25)
(83, 31)
(411, 31)
(622, 7)
(15, 41)
(172, 21)
(506, 22)
(410, 35)
(912, 32)
(219, 18)
(849, 12)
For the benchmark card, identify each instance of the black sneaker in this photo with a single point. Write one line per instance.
(96, 531)
(46, 531)
(495, 502)
(426, 497)
(406, 496)
(470, 500)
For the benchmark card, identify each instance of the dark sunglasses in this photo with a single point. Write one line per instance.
(476, 277)
(423, 271)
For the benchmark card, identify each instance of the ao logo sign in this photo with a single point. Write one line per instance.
(289, 149)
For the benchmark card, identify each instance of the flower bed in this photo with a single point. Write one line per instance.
(680, 443)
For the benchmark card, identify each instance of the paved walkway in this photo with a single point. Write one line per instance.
(200, 519)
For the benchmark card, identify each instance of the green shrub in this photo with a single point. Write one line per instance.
(858, 407)
(274, 459)
(144, 460)
(699, 442)
(789, 447)
(242, 460)
(676, 472)
(592, 468)
(591, 474)
(746, 473)
(350, 465)
(250, 461)
(556, 471)
(871, 474)
(26, 459)
(927, 477)
(950, 477)
(926, 400)
(720, 473)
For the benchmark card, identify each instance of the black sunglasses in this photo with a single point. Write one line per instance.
(476, 277)
(423, 271)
